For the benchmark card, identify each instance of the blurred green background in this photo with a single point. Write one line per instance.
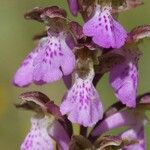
(15, 43)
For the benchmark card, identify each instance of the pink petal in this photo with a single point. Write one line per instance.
(106, 32)
(73, 5)
(82, 104)
(124, 80)
(38, 137)
(24, 74)
(48, 63)
(90, 28)
(60, 135)
(54, 56)
(68, 61)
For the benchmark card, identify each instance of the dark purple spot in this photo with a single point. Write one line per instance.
(134, 79)
(83, 85)
(81, 101)
(29, 57)
(111, 27)
(86, 89)
(89, 89)
(106, 27)
(46, 53)
(60, 54)
(51, 55)
(44, 60)
(25, 63)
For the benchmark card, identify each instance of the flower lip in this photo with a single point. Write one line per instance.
(48, 62)
(82, 102)
(124, 78)
(38, 137)
(105, 31)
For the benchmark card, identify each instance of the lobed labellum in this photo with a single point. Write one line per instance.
(38, 137)
(124, 79)
(82, 103)
(106, 31)
(47, 63)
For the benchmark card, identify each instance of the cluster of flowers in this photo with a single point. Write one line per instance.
(81, 55)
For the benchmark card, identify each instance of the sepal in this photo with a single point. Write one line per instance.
(125, 5)
(112, 143)
(138, 34)
(38, 102)
(40, 14)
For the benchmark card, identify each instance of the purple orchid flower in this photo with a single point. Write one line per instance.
(38, 137)
(135, 120)
(124, 79)
(73, 5)
(82, 103)
(48, 62)
(105, 31)
(135, 133)
(45, 129)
